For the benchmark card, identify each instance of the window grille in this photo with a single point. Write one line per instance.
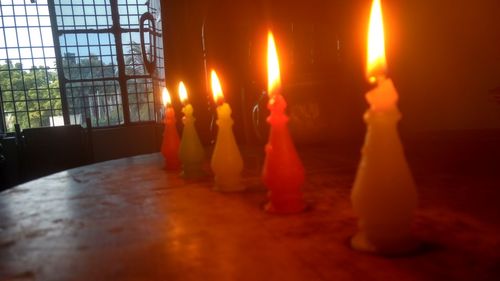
(104, 76)
(64, 61)
(29, 86)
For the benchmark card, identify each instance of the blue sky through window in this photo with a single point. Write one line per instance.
(26, 34)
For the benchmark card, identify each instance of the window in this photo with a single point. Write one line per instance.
(29, 86)
(86, 64)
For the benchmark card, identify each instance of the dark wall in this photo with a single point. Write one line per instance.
(321, 83)
(112, 143)
(9, 167)
(43, 151)
(443, 57)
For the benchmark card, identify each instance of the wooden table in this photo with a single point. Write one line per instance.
(128, 219)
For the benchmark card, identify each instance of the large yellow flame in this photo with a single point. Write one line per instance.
(273, 67)
(183, 96)
(165, 97)
(216, 87)
(376, 63)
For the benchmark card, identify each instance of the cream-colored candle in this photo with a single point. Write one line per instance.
(226, 163)
(384, 194)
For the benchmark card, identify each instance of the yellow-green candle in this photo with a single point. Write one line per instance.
(191, 151)
(226, 163)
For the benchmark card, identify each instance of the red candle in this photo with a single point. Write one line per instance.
(170, 144)
(283, 173)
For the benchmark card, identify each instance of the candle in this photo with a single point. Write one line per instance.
(170, 143)
(384, 194)
(226, 163)
(283, 173)
(191, 151)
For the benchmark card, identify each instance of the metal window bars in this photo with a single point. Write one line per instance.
(30, 93)
(88, 63)
(103, 72)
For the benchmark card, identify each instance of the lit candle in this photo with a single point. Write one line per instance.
(170, 144)
(191, 151)
(283, 173)
(384, 194)
(226, 163)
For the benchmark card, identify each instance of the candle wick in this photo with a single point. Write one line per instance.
(377, 79)
(220, 101)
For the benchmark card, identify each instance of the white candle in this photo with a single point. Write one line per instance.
(384, 195)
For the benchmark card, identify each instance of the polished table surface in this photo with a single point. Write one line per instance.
(128, 219)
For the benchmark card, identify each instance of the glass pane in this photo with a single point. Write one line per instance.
(98, 100)
(83, 14)
(85, 57)
(130, 12)
(140, 92)
(28, 77)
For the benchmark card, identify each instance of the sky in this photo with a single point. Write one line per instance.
(34, 29)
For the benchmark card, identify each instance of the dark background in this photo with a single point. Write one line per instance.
(444, 58)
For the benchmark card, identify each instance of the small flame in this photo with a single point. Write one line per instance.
(216, 88)
(376, 63)
(273, 67)
(165, 97)
(183, 96)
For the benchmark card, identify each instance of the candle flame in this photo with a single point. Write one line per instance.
(216, 87)
(183, 96)
(165, 97)
(273, 67)
(376, 63)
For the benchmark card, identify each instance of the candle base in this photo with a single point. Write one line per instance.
(285, 205)
(229, 185)
(193, 172)
(395, 247)
(172, 165)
